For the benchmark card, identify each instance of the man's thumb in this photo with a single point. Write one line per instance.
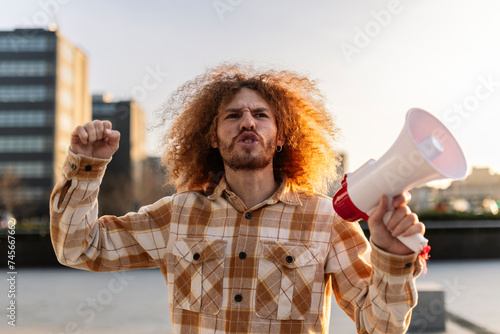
(113, 137)
(379, 212)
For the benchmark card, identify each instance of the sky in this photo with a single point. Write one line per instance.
(373, 60)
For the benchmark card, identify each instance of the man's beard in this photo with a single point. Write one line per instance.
(244, 160)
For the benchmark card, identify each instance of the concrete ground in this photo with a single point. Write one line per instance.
(57, 301)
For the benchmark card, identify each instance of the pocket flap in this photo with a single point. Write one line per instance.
(199, 250)
(289, 254)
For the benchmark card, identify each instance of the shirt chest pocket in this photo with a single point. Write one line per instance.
(285, 277)
(199, 272)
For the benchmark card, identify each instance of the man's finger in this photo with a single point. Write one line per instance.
(402, 199)
(398, 214)
(99, 130)
(402, 224)
(81, 133)
(415, 228)
(113, 138)
(381, 209)
(91, 132)
(107, 125)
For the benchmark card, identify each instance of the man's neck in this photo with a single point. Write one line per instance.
(253, 186)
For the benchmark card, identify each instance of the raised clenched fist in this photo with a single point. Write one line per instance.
(95, 139)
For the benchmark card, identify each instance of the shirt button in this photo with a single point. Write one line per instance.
(408, 265)
(73, 166)
(243, 255)
(238, 298)
(289, 259)
(88, 168)
(196, 256)
(248, 215)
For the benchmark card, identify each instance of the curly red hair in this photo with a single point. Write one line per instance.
(308, 157)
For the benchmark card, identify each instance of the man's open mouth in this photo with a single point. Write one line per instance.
(248, 138)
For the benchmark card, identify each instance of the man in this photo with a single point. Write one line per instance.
(246, 245)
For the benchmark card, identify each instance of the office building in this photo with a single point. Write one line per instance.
(121, 188)
(43, 96)
(479, 193)
(153, 183)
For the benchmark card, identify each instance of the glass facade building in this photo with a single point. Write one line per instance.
(43, 96)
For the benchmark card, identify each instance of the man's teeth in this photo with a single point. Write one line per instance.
(248, 141)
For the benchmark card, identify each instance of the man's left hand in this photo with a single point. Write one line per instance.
(402, 222)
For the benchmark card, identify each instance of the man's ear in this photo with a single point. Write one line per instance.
(214, 142)
(279, 140)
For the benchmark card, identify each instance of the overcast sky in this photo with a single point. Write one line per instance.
(374, 59)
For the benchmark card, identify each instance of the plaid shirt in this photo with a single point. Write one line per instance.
(231, 269)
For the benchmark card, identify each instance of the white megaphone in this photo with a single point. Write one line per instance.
(424, 151)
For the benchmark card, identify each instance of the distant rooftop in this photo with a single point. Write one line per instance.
(102, 98)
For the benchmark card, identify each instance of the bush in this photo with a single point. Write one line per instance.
(432, 215)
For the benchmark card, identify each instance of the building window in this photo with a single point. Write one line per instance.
(103, 109)
(26, 68)
(25, 118)
(25, 93)
(27, 169)
(15, 43)
(18, 144)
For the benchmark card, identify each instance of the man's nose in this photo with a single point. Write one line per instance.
(247, 121)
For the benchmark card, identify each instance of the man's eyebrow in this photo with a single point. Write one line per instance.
(258, 109)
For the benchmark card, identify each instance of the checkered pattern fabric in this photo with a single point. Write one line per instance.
(199, 274)
(231, 269)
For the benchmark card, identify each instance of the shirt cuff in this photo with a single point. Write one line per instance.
(392, 264)
(81, 167)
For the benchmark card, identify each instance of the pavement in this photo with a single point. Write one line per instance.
(62, 301)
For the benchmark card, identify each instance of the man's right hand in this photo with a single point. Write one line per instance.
(95, 139)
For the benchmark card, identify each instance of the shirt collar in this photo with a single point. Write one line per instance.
(285, 192)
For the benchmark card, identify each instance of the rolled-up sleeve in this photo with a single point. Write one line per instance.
(82, 240)
(375, 288)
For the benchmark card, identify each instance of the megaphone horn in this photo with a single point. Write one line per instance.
(424, 151)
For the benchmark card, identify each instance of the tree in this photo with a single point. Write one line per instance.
(10, 186)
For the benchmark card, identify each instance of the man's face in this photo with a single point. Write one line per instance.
(246, 132)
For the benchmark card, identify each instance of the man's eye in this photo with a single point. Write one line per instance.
(232, 116)
(261, 115)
